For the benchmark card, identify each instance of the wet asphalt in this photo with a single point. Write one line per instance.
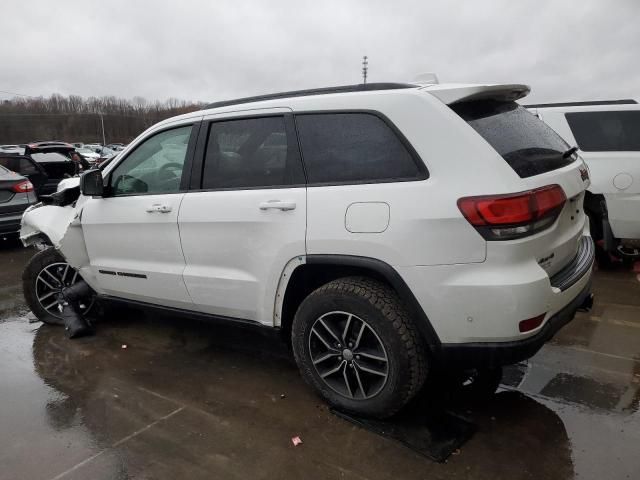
(189, 400)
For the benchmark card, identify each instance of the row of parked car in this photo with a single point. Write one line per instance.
(386, 230)
(34, 170)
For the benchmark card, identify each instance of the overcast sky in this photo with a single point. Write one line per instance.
(213, 50)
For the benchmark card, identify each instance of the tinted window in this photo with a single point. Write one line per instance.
(155, 166)
(353, 147)
(253, 152)
(12, 163)
(606, 131)
(527, 144)
(27, 168)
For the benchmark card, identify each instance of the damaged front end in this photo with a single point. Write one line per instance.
(56, 223)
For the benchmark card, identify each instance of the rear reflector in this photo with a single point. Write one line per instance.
(531, 323)
(23, 187)
(505, 217)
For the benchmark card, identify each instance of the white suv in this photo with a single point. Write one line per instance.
(385, 229)
(607, 134)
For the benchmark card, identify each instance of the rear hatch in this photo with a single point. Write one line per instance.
(56, 164)
(544, 218)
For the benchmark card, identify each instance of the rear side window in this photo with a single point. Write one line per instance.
(606, 131)
(251, 152)
(527, 144)
(353, 148)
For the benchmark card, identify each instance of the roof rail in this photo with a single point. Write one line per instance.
(628, 101)
(363, 87)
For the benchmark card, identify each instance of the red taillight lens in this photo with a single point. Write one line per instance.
(23, 187)
(531, 323)
(505, 217)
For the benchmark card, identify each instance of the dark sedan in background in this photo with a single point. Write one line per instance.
(16, 194)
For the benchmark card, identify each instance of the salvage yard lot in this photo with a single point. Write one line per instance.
(187, 400)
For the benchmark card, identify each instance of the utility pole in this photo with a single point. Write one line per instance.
(365, 69)
(104, 142)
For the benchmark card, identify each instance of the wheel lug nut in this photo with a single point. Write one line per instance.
(350, 344)
(357, 357)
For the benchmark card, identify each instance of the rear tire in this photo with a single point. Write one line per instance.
(41, 288)
(359, 329)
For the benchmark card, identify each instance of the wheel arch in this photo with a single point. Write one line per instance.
(317, 270)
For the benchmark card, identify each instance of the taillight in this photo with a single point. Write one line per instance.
(516, 215)
(23, 187)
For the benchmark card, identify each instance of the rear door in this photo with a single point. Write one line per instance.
(245, 216)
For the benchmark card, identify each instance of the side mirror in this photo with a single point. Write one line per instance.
(91, 183)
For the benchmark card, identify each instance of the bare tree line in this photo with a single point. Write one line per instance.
(78, 119)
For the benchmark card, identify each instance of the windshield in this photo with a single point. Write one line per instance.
(526, 143)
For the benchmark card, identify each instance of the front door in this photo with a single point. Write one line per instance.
(132, 233)
(246, 217)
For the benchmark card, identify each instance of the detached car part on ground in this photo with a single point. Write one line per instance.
(386, 229)
(607, 134)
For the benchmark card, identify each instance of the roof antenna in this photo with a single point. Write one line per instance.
(365, 69)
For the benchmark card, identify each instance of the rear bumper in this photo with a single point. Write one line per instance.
(10, 224)
(494, 354)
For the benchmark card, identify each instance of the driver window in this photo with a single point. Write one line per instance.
(155, 166)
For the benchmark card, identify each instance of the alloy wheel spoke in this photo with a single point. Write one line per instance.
(322, 339)
(47, 283)
(325, 357)
(330, 330)
(357, 374)
(346, 379)
(46, 295)
(51, 305)
(346, 329)
(371, 356)
(56, 279)
(357, 344)
(64, 274)
(369, 370)
(333, 370)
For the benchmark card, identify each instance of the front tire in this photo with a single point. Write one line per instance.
(42, 281)
(357, 346)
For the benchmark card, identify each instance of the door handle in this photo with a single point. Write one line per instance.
(159, 208)
(278, 205)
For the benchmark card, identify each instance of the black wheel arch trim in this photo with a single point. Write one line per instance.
(391, 275)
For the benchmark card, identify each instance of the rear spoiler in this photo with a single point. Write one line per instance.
(451, 94)
(46, 149)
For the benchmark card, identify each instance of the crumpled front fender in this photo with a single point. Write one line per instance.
(59, 226)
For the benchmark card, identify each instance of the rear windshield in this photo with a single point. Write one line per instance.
(50, 157)
(615, 131)
(527, 144)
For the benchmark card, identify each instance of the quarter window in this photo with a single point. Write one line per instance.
(353, 147)
(155, 166)
(253, 152)
(615, 131)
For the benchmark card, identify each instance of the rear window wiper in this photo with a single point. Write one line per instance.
(569, 152)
